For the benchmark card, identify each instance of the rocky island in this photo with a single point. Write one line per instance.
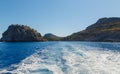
(104, 30)
(21, 33)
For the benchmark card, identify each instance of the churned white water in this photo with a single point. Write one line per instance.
(69, 59)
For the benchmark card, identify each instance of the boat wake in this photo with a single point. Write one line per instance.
(68, 59)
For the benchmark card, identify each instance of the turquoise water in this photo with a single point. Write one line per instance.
(59, 58)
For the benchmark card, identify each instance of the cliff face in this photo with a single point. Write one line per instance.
(21, 33)
(104, 30)
(51, 37)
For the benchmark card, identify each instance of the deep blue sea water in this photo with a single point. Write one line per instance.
(59, 58)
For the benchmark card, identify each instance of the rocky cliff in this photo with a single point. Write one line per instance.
(21, 33)
(104, 30)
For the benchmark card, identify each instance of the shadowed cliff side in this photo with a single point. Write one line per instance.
(21, 33)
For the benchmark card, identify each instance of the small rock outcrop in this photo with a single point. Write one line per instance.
(51, 37)
(21, 33)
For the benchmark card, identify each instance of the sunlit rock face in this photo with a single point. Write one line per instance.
(21, 33)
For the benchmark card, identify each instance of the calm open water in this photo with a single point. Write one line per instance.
(59, 58)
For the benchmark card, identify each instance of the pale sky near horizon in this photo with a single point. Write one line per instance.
(60, 17)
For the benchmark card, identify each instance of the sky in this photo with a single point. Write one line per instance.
(60, 17)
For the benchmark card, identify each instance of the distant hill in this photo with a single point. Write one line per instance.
(104, 30)
(51, 37)
(21, 33)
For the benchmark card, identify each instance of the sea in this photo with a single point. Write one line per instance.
(70, 57)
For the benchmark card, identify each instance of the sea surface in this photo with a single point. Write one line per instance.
(59, 58)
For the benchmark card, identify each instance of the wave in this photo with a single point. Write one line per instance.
(68, 59)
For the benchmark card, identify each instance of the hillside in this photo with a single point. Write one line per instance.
(104, 30)
(51, 37)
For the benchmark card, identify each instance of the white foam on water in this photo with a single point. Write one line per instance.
(92, 61)
(72, 59)
(36, 65)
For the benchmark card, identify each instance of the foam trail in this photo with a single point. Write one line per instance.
(70, 59)
(91, 61)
